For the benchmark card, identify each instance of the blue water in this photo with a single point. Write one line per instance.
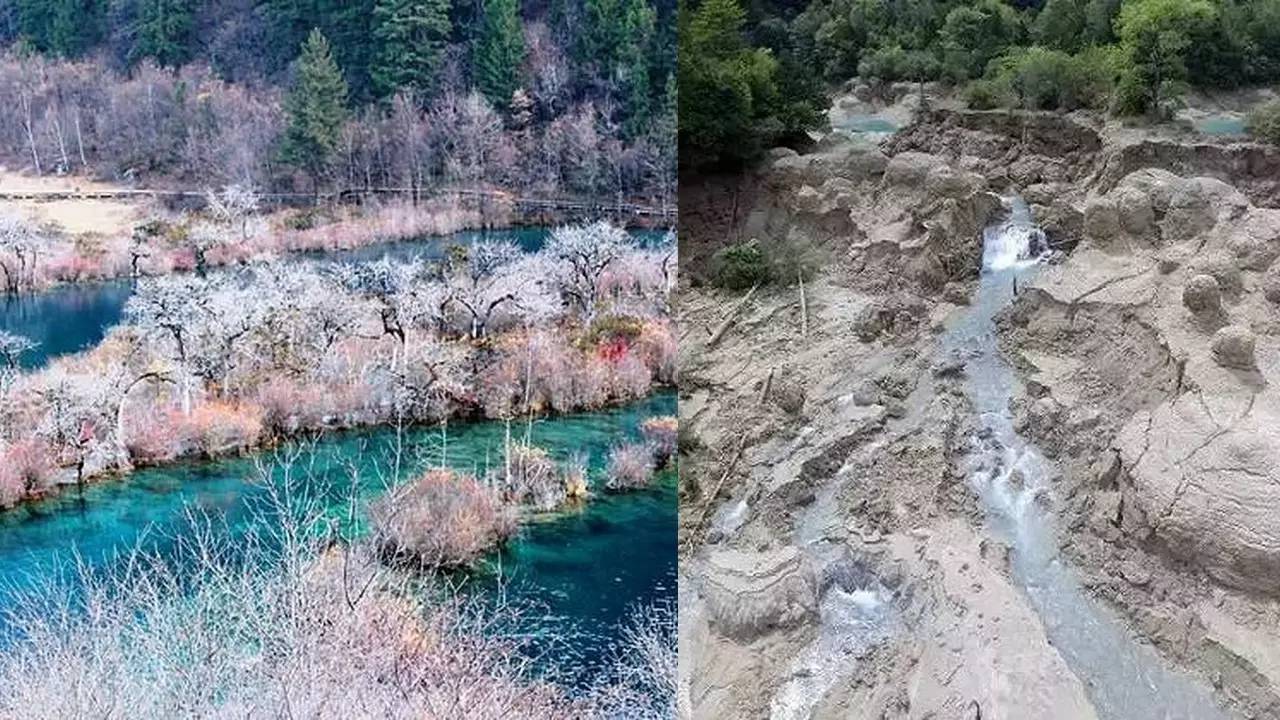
(1221, 125)
(72, 318)
(867, 124)
(64, 320)
(579, 573)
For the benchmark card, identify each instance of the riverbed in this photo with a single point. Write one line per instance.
(1124, 677)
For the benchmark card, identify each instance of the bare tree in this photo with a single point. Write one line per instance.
(235, 206)
(585, 252)
(19, 243)
(13, 347)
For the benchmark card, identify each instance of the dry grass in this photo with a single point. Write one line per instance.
(104, 217)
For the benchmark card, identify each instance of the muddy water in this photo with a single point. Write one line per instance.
(855, 610)
(1125, 679)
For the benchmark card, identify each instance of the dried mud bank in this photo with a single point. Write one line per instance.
(862, 535)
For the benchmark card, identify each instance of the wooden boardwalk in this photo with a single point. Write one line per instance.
(357, 195)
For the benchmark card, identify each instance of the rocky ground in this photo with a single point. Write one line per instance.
(835, 560)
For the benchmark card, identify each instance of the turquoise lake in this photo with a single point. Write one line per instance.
(578, 573)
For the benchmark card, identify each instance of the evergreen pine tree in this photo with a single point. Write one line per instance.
(316, 108)
(615, 43)
(347, 24)
(499, 51)
(410, 36)
(33, 19)
(62, 27)
(164, 32)
(65, 27)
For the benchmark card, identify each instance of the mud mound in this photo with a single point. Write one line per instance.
(1020, 147)
(1252, 167)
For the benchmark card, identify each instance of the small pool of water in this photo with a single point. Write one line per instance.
(867, 124)
(1221, 125)
(581, 573)
(64, 320)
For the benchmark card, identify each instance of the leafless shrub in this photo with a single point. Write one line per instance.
(531, 478)
(660, 434)
(577, 484)
(630, 467)
(442, 519)
(642, 682)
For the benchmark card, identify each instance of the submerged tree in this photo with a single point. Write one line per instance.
(13, 347)
(317, 110)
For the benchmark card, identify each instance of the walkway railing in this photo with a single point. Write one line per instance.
(358, 194)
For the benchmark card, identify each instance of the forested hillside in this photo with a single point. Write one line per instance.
(548, 96)
(1127, 57)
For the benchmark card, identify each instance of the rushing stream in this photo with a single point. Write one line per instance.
(71, 318)
(579, 573)
(1125, 680)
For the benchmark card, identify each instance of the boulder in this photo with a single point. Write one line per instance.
(946, 182)
(1101, 221)
(1157, 207)
(1223, 268)
(1255, 242)
(839, 158)
(1271, 287)
(1195, 207)
(788, 391)
(1233, 347)
(909, 169)
(1061, 221)
(808, 199)
(840, 192)
(1045, 193)
(1214, 507)
(750, 594)
(1202, 296)
(1135, 214)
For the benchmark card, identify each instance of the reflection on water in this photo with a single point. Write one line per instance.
(66, 319)
(581, 572)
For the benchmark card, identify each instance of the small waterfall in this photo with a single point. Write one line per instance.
(854, 615)
(1015, 243)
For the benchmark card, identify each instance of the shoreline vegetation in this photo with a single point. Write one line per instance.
(217, 365)
(347, 632)
(232, 231)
